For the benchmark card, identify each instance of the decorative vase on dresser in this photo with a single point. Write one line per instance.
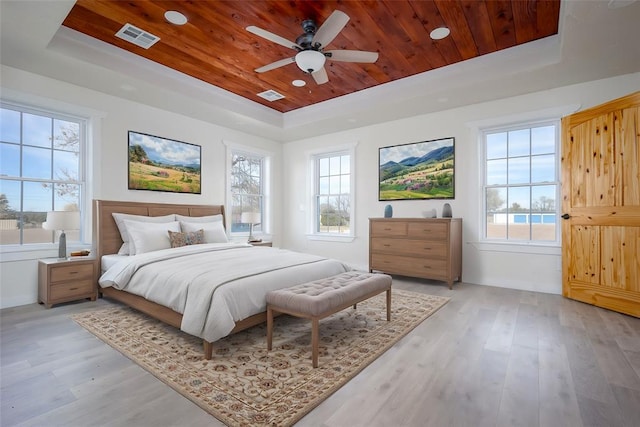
(428, 248)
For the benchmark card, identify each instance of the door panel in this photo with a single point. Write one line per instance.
(601, 197)
(585, 263)
(620, 267)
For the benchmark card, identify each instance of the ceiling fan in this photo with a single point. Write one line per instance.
(311, 55)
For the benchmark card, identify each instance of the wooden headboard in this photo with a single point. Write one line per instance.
(105, 231)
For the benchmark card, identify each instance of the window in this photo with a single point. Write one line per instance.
(247, 180)
(333, 208)
(41, 169)
(521, 183)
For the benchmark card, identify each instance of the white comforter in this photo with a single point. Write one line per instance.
(215, 285)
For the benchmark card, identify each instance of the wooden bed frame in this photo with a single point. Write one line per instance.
(108, 241)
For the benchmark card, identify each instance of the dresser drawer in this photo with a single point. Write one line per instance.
(71, 272)
(407, 266)
(388, 228)
(71, 290)
(427, 230)
(409, 247)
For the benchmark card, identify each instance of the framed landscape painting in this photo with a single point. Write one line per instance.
(420, 170)
(161, 164)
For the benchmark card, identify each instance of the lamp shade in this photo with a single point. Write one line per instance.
(250, 218)
(310, 61)
(62, 220)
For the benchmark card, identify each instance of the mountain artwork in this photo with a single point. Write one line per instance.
(420, 170)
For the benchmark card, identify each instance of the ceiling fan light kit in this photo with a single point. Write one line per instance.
(311, 56)
(310, 61)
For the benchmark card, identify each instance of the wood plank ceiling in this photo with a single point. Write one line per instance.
(215, 47)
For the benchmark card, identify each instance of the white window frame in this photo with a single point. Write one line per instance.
(512, 127)
(43, 107)
(313, 157)
(265, 181)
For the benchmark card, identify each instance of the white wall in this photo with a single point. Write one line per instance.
(536, 269)
(113, 117)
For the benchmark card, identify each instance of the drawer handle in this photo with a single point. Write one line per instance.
(73, 272)
(387, 229)
(427, 267)
(73, 289)
(386, 245)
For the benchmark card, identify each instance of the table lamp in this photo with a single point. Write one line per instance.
(62, 220)
(251, 218)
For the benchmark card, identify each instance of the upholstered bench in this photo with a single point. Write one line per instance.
(321, 298)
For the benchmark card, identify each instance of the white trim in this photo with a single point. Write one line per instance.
(90, 129)
(312, 155)
(515, 121)
(519, 247)
(338, 238)
(267, 178)
(12, 253)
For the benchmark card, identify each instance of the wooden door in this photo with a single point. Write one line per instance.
(601, 205)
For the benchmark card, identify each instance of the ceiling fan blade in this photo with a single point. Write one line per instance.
(272, 37)
(352, 56)
(274, 65)
(331, 28)
(320, 76)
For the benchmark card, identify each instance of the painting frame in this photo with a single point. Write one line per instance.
(162, 164)
(423, 170)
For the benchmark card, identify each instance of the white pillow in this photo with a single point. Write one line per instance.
(210, 218)
(124, 234)
(149, 237)
(213, 231)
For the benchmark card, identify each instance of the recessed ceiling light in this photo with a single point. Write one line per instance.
(439, 33)
(298, 83)
(175, 17)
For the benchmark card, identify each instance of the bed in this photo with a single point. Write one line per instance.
(208, 290)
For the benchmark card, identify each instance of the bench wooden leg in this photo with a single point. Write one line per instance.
(269, 327)
(314, 341)
(389, 305)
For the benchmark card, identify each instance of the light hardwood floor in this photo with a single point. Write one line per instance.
(490, 357)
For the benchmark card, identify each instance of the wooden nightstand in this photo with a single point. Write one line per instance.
(61, 280)
(261, 243)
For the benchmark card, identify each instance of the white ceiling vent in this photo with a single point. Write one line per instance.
(137, 36)
(271, 95)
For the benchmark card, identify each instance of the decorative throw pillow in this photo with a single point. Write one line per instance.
(185, 239)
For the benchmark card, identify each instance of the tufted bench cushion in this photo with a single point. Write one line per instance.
(321, 298)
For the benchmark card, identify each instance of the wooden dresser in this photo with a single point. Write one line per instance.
(429, 248)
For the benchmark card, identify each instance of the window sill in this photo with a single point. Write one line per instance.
(525, 248)
(10, 253)
(331, 238)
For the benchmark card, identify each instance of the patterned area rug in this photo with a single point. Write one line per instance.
(244, 384)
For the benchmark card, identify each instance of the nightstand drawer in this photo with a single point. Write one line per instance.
(71, 272)
(79, 288)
